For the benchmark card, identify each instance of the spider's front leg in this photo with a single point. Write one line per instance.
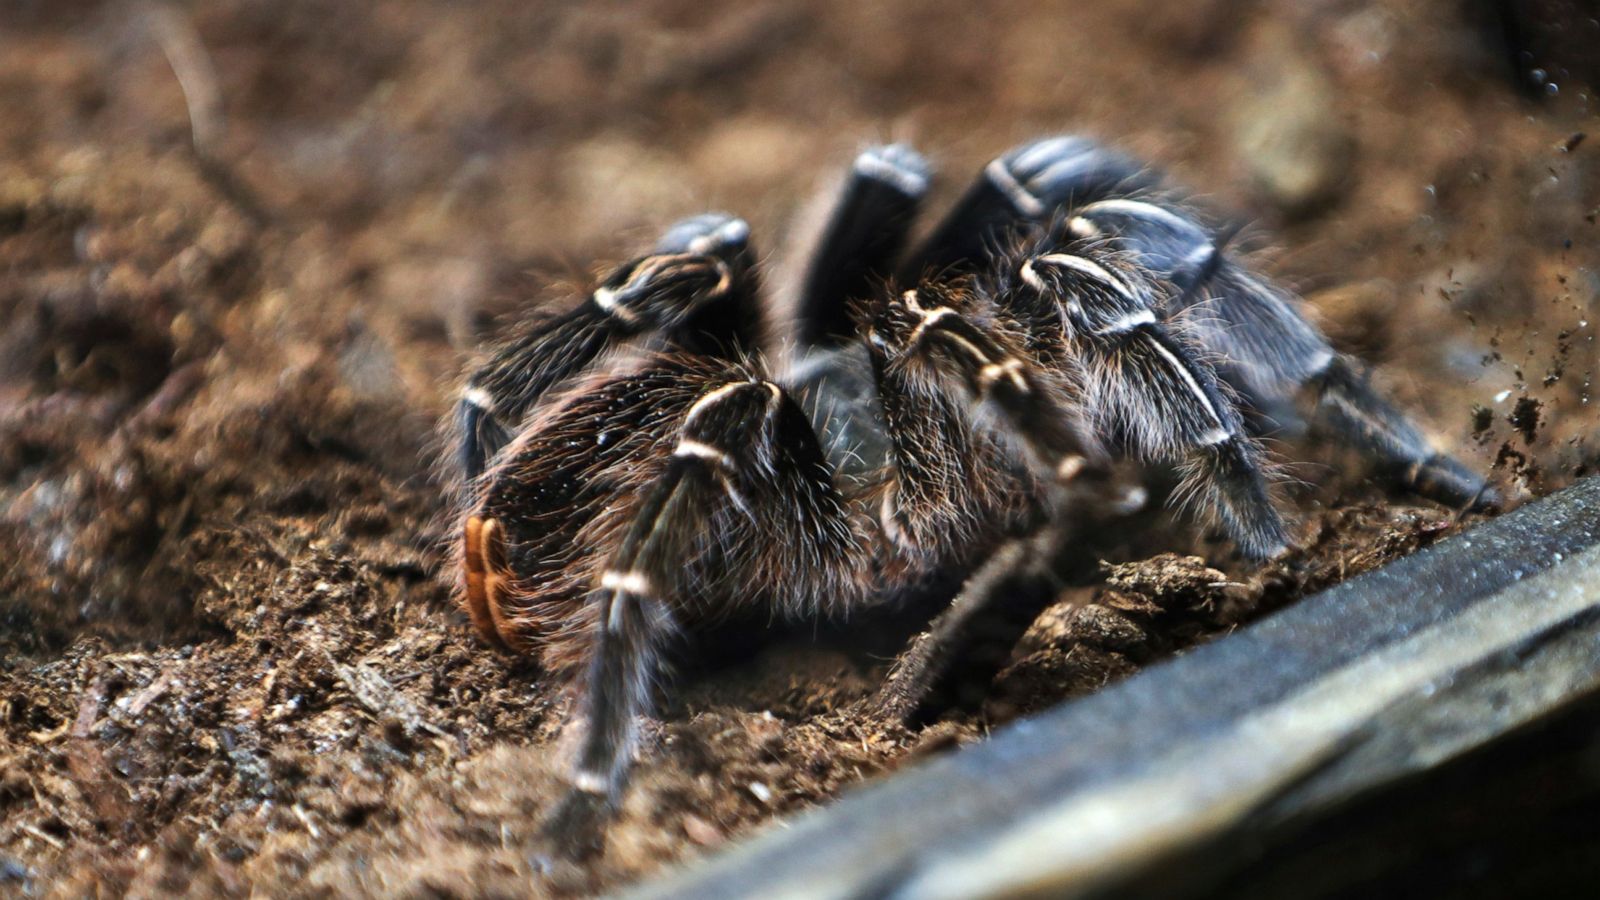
(983, 440)
(1347, 406)
(991, 471)
(1270, 353)
(1152, 389)
(1028, 183)
(695, 282)
(938, 326)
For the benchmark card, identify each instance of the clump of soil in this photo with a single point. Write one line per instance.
(228, 661)
(1524, 418)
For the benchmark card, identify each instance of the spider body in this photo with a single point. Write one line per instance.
(633, 468)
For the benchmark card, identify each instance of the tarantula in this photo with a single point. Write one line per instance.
(633, 468)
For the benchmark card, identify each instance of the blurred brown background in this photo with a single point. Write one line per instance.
(246, 246)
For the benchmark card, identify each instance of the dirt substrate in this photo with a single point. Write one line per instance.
(228, 659)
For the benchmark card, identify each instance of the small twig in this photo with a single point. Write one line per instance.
(152, 692)
(44, 836)
(197, 78)
(89, 707)
(380, 698)
(305, 820)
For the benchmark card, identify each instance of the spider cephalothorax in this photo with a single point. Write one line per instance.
(633, 467)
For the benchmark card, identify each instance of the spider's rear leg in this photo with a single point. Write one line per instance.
(696, 281)
(861, 242)
(1028, 183)
(1154, 391)
(1270, 352)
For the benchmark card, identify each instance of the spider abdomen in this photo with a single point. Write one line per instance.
(561, 494)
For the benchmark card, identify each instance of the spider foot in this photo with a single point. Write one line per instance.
(1447, 480)
(576, 829)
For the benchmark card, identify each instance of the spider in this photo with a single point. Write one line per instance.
(668, 449)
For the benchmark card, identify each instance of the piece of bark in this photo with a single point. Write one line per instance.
(1171, 782)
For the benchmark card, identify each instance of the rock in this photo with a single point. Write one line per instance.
(1292, 141)
(701, 832)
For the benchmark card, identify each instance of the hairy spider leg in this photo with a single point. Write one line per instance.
(963, 406)
(725, 325)
(1155, 391)
(1027, 184)
(745, 491)
(1005, 378)
(1348, 407)
(934, 342)
(1270, 353)
(1265, 348)
(863, 239)
(699, 271)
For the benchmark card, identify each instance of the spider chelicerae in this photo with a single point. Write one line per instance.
(669, 448)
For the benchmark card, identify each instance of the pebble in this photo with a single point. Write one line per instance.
(700, 831)
(1296, 149)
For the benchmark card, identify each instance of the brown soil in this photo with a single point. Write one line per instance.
(228, 661)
